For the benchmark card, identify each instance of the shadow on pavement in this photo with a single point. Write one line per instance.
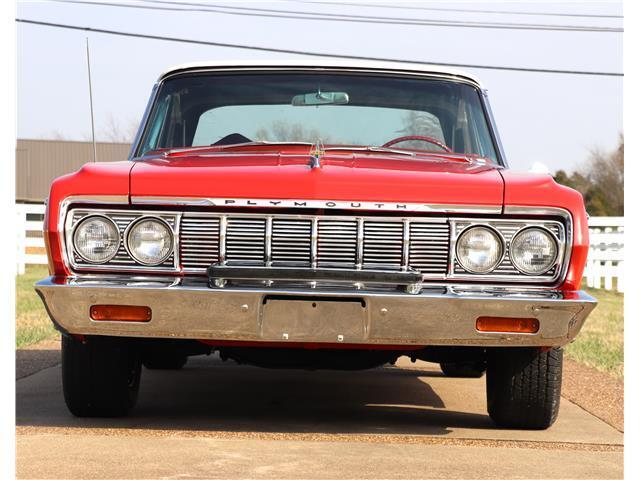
(209, 395)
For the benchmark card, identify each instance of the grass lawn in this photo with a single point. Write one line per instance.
(600, 343)
(32, 322)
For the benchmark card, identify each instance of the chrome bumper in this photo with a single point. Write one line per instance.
(193, 310)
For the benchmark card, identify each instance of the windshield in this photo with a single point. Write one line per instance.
(333, 109)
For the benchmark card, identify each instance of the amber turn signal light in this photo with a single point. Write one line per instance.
(507, 324)
(120, 313)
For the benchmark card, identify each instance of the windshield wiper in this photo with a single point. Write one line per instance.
(170, 151)
(260, 142)
(373, 149)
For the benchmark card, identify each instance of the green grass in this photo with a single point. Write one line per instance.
(32, 321)
(600, 344)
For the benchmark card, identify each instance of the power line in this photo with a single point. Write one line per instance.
(268, 12)
(462, 10)
(311, 54)
(296, 15)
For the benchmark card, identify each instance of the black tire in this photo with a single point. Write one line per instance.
(523, 387)
(168, 361)
(464, 369)
(100, 376)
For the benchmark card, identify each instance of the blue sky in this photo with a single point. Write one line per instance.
(554, 119)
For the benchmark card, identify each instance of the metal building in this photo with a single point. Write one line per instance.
(39, 162)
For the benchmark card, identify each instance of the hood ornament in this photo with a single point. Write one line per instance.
(316, 154)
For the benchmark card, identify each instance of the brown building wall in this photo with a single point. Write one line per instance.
(39, 162)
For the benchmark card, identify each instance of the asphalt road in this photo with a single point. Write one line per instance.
(220, 420)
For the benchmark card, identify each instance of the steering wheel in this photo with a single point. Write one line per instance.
(423, 138)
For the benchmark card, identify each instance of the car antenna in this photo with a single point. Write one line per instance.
(93, 131)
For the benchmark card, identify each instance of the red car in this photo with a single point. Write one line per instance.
(316, 216)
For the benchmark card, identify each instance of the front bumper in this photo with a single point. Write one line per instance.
(193, 310)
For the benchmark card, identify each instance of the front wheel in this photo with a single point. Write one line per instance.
(100, 375)
(523, 386)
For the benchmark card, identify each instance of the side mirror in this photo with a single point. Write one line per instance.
(539, 167)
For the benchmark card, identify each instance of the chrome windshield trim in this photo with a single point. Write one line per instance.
(317, 204)
(385, 68)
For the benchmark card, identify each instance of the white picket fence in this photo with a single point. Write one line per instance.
(29, 219)
(604, 264)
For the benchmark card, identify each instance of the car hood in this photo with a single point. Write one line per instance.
(370, 177)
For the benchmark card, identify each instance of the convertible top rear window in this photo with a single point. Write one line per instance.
(330, 108)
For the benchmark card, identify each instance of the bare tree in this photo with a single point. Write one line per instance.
(283, 131)
(119, 131)
(601, 181)
(606, 170)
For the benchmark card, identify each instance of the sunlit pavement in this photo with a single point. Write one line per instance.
(215, 419)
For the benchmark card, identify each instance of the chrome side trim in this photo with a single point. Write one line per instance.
(318, 204)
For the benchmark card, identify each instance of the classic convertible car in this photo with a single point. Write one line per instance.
(300, 215)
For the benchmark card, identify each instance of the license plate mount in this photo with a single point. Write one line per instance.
(304, 319)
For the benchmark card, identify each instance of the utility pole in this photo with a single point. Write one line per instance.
(93, 130)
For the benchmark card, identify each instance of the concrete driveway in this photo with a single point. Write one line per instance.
(221, 420)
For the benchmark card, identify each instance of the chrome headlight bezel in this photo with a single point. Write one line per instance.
(85, 220)
(138, 221)
(549, 235)
(500, 242)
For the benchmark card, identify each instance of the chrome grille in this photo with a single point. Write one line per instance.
(199, 241)
(291, 241)
(337, 242)
(428, 247)
(314, 241)
(382, 244)
(426, 244)
(245, 240)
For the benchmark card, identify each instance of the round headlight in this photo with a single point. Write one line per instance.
(96, 239)
(479, 250)
(533, 251)
(150, 241)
